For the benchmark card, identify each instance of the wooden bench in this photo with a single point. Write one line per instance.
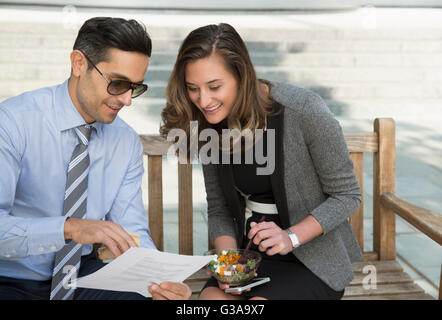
(392, 282)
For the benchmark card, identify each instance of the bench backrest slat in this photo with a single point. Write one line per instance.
(384, 180)
(155, 199)
(357, 218)
(185, 209)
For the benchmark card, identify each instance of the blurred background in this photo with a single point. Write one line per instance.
(366, 59)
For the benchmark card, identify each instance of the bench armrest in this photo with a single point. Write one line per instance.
(427, 221)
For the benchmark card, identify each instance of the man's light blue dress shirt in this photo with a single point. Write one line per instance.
(36, 143)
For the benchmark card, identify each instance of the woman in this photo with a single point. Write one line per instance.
(306, 240)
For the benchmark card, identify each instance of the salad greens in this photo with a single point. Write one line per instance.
(226, 269)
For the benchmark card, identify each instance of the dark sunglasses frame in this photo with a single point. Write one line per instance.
(137, 88)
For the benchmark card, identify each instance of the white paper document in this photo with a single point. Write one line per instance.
(138, 268)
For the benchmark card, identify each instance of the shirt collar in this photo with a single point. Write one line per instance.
(67, 115)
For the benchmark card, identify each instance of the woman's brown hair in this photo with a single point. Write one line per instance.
(252, 105)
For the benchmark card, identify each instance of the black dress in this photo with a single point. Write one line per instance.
(289, 277)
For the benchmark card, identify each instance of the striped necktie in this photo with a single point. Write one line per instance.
(67, 260)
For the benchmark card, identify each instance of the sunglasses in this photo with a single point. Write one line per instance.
(117, 87)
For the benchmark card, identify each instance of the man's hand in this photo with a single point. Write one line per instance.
(111, 234)
(170, 291)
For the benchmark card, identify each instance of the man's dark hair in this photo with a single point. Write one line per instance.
(99, 34)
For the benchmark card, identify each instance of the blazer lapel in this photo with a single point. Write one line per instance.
(276, 122)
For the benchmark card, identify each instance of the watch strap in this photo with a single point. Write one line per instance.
(293, 238)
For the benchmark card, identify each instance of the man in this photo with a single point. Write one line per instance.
(67, 162)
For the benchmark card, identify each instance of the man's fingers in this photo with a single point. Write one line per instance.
(153, 290)
(121, 243)
(128, 239)
(122, 238)
(86, 231)
(170, 291)
(181, 290)
(112, 246)
(131, 241)
(115, 242)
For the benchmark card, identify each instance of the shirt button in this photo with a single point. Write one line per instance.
(7, 255)
(53, 248)
(41, 249)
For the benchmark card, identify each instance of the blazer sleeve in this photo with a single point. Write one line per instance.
(220, 220)
(331, 159)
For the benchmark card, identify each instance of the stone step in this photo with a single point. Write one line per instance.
(353, 91)
(296, 74)
(336, 91)
(258, 31)
(345, 60)
(27, 56)
(148, 108)
(383, 108)
(172, 43)
(352, 108)
(362, 108)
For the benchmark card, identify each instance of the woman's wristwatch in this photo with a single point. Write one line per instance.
(293, 238)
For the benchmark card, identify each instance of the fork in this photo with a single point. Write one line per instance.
(243, 258)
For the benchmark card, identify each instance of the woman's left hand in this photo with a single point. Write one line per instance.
(270, 238)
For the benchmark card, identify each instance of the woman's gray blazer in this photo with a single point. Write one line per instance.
(313, 175)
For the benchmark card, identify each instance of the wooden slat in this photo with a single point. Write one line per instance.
(155, 199)
(196, 289)
(194, 296)
(440, 285)
(384, 175)
(385, 289)
(362, 142)
(409, 296)
(196, 282)
(429, 222)
(380, 265)
(196, 286)
(370, 256)
(198, 276)
(154, 144)
(382, 278)
(185, 209)
(357, 218)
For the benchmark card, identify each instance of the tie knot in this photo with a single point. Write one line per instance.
(84, 133)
